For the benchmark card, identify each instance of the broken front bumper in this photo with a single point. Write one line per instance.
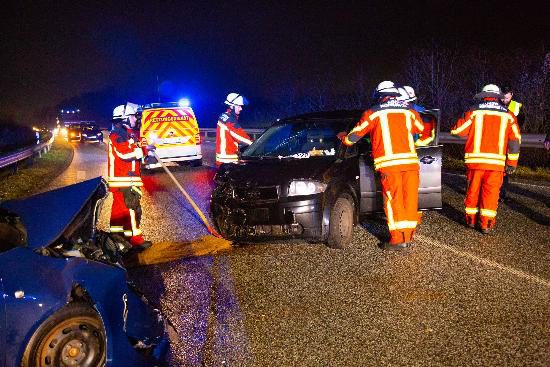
(258, 219)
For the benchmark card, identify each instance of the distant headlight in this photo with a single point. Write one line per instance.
(305, 187)
(99, 134)
(85, 135)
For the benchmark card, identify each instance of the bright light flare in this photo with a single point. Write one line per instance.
(184, 102)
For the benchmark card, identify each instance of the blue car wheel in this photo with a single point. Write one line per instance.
(73, 336)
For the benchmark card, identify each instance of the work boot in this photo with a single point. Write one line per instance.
(139, 243)
(471, 221)
(395, 246)
(486, 230)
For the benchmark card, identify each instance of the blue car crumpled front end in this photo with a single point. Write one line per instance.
(42, 277)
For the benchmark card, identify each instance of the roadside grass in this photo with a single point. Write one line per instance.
(533, 162)
(31, 178)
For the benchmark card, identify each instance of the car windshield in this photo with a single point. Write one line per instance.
(90, 129)
(298, 140)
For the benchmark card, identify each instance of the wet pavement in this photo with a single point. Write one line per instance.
(457, 298)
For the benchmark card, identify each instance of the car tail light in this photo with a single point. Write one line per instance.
(198, 139)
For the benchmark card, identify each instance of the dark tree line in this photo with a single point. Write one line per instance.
(443, 77)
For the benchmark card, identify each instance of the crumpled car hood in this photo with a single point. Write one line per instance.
(272, 171)
(46, 216)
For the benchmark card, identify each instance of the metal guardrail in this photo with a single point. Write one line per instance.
(12, 158)
(209, 134)
(527, 140)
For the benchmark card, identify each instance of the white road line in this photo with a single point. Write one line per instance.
(511, 182)
(483, 261)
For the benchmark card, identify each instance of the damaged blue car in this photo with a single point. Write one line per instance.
(66, 300)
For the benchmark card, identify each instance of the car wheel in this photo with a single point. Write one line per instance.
(341, 223)
(73, 336)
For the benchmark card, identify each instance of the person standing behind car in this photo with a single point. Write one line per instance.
(428, 135)
(391, 125)
(492, 147)
(124, 176)
(229, 133)
(517, 109)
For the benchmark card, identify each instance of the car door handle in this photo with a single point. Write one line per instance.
(427, 159)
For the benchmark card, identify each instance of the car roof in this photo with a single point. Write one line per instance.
(354, 115)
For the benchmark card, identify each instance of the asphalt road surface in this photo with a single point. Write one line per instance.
(458, 298)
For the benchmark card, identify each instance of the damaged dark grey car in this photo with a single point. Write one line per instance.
(298, 181)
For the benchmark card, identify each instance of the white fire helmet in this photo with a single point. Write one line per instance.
(235, 99)
(387, 88)
(118, 112)
(403, 95)
(131, 109)
(490, 90)
(410, 93)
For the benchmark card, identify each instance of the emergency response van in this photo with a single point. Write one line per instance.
(174, 131)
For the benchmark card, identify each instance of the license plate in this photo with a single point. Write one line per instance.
(175, 140)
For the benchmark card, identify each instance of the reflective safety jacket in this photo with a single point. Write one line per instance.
(517, 109)
(124, 158)
(229, 134)
(391, 125)
(493, 136)
(514, 107)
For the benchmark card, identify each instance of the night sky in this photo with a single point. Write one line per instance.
(55, 51)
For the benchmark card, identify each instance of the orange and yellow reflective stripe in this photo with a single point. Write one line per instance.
(488, 213)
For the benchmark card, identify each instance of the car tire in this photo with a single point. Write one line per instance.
(341, 223)
(74, 335)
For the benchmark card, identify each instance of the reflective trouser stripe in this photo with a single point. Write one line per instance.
(123, 220)
(488, 213)
(472, 210)
(483, 192)
(400, 191)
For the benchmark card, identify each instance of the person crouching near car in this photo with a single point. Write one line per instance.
(124, 176)
(492, 147)
(391, 124)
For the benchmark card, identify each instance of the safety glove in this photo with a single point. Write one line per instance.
(342, 136)
(510, 170)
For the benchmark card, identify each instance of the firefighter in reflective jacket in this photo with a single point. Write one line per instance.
(517, 109)
(492, 147)
(229, 134)
(124, 176)
(391, 125)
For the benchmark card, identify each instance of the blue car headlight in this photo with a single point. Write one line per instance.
(305, 187)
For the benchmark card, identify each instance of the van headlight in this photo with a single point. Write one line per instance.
(305, 187)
